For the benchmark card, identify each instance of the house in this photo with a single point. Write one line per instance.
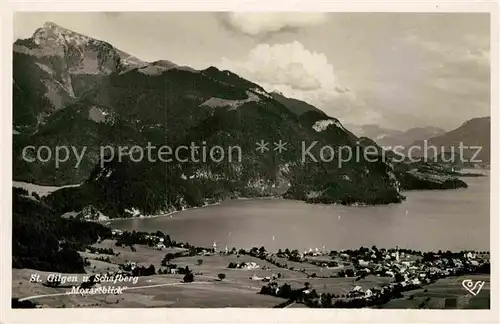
(364, 263)
(357, 288)
(251, 265)
(470, 255)
(116, 232)
(160, 246)
(368, 293)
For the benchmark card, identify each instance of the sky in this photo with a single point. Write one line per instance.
(396, 70)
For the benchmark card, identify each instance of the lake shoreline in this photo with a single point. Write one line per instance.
(193, 208)
(288, 199)
(256, 220)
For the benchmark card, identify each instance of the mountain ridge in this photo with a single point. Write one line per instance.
(392, 137)
(474, 132)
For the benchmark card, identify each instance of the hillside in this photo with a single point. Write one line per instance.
(107, 98)
(297, 107)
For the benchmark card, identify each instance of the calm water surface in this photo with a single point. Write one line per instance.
(427, 220)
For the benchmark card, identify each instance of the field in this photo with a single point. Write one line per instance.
(151, 291)
(445, 293)
(236, 290)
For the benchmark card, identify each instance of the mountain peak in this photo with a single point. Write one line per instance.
(51, 25)
(51, 33)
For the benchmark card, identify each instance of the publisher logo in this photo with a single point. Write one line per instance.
(473, 287)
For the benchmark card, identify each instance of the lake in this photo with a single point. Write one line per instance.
(427, 220)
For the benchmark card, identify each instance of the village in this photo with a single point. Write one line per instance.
(405, 269)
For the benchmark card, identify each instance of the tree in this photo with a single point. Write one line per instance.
(221, 276)
(189, 277)
(199, 261)
(150, 271)
(167, 258)
(349, 272)
(15, 303)
(398, 277)
(285, 291)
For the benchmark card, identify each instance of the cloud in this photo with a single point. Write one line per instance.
(457, 73)
(472, 50)
(254, 24)
(301, 74)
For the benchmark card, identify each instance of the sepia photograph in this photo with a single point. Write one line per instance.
(251, 160)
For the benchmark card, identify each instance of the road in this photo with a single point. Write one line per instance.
(128, 288)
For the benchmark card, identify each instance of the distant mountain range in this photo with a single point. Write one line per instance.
(474, 133)
(76, 91)
(391, 137)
